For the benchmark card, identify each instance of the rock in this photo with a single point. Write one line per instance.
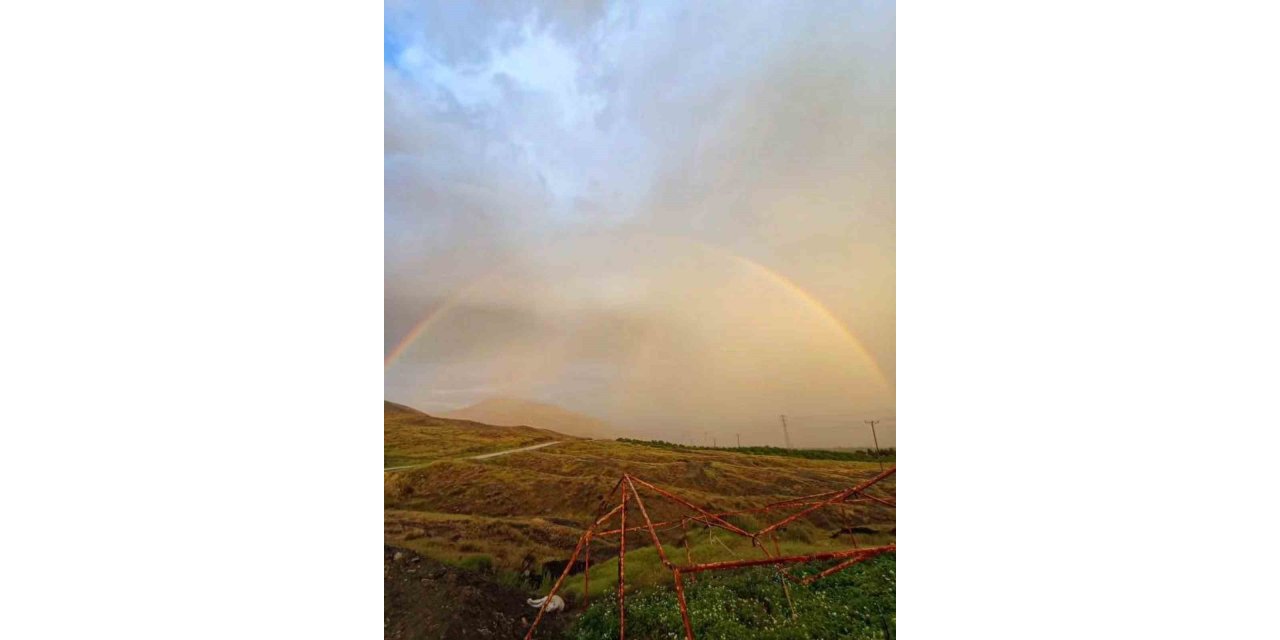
(398, 556)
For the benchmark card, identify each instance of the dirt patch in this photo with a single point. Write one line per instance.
(427, 600)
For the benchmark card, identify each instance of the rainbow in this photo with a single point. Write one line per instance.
(773, 277)
(432, 317)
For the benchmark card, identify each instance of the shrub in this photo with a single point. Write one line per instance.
(482, 563)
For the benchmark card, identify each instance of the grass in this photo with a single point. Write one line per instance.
(855, 455)
(538, 502)
(502, 515)
(857, 603)
(411, 437)
(645, 570)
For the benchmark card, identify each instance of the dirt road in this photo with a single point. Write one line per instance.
(483, 455)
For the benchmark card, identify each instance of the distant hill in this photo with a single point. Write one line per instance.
(513, 412)
(390, 408)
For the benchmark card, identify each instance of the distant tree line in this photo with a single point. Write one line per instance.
(854, 455)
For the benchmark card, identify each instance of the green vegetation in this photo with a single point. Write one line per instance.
(645, 570)
(856, 603)
(854, 455)
(507, 519)
(480, 562)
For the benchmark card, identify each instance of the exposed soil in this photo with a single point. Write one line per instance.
(427, 600)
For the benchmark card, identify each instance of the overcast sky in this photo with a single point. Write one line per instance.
(678, 217)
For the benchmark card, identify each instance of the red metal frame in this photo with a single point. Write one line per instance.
(627, 483)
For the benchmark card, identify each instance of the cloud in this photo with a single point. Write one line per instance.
(765, 130)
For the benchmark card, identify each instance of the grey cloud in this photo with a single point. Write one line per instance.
(766, 129)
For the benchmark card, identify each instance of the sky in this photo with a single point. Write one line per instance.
(676, 217)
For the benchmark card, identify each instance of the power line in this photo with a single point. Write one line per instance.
(876, 440)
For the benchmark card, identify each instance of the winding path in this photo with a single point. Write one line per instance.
(483, 455)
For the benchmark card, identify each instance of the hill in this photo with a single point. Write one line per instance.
(533, 504)
(513, 520)
(411, 437)
(512, 412)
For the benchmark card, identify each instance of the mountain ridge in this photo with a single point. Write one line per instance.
(514, 412)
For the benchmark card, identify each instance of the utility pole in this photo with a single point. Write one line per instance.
(875, 440)
(786, 437)
(739, 439)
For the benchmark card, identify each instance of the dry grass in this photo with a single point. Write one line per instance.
(536, 503)
(412, 437)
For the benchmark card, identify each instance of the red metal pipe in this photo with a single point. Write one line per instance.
(684, 532)
(586, 576)
(881, 501)
(605, 499)
(840, 496)
(629, 492)
(583, 540)
(556, 587)
(836, 569)
(669, 524)
(684, 608)
(645, 514)
(712, 516)
(605, 518)
(622, 569)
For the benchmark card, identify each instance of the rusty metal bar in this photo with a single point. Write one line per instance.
(786, 588)
(836, 569)
(622, 568)
(723, 523)
(627, 483)
(829, 555)
(684, 531)
(848, 525)
(684, 608)
(671, 524)
(662, 526)
(880, 500)
(584, 539)
(564, 574)
(586, 575)
(840, 496)
(645, 514)
(605, 499)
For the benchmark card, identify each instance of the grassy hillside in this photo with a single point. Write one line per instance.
(512, 516)
(536, 503)
(412, 437)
